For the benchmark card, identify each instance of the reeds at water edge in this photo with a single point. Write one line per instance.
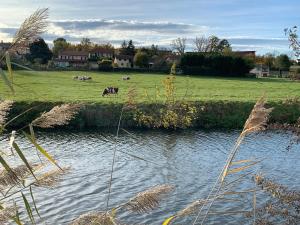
(57, 116)
(5, 106)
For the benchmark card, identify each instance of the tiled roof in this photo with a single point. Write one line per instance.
(102, 50)
(74, 53)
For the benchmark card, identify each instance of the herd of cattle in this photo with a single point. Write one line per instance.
(82, 78)
(108, 90)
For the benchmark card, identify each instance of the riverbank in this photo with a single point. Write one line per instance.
(210, 114)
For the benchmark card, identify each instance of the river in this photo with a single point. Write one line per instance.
(189, 160)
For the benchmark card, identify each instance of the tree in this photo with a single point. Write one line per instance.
(141, 59)
(59, 44)
(179, 45)
(293, 39)
(269, 60)
(130, 48)
(127, 48)
(201, 44)
(123, 48)
(154, 50)
(223, 45)
(282, 62)
(212, 44)
(85, 44)
(39, 52)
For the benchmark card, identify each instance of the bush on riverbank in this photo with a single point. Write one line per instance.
(210, 114)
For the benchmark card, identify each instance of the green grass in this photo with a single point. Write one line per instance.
(59, 86)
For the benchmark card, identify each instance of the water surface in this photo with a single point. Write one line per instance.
(189, 160)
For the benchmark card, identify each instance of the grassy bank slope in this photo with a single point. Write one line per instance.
(60, 87)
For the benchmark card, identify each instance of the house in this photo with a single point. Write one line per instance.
(261, 71)
(76, 59)
(249, 54)
(173, 58)
(123, 61)
(4, 46)
(101, 52)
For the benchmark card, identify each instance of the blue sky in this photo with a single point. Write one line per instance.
(249, 25)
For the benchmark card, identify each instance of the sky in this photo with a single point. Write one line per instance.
(247, 24)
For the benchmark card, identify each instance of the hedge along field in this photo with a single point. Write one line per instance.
(59, 86)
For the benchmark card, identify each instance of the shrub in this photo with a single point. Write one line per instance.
(105, 65)
(141, 59)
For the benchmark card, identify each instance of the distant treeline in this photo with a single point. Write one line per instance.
(215, 64)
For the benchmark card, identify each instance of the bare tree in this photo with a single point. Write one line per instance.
(211, 44)
(179, 45)
(201, 44)
(293, 39)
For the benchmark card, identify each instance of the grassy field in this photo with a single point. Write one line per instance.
(59, 86)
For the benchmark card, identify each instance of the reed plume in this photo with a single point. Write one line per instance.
(148, 200)
(258, 117)
(257, 121)
(95, 218)
(30, 29)
(57, 116)
(5, 106)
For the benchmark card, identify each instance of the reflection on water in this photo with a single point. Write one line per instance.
(188, 160)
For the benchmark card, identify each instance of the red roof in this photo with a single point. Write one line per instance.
(102, 50)
(245, 53)
(74, 53)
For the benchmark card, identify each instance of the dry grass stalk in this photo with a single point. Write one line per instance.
(12, 178)
(51, 178)
(57, 116)
(30, 29)
(284, 206)
(5, 106)
(258, 117)
(95, 218)
(7, 214)
(148, 200)
(131, 99)
(257, 121)
(191, 208)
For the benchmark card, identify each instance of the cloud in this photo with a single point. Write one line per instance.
(115, 31)
(165, 27)
(146, 33)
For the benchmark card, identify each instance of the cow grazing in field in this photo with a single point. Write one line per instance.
(110, 90)
(126, 78)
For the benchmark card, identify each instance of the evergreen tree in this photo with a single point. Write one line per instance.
(130, 48)
(39, 51)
